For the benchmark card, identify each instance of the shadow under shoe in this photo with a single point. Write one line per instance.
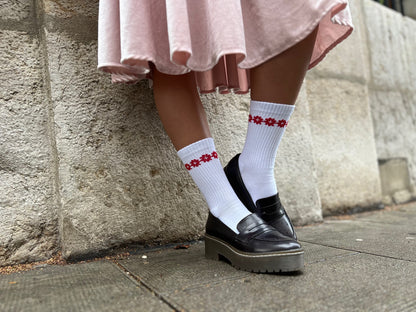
(258, 247)
(269, 209)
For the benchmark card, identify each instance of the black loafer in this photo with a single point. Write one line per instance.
(258, 247)
(269, 209)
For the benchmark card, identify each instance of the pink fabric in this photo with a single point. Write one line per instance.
(218, 39)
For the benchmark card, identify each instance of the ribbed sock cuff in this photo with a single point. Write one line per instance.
(259, 107)
(187, 153)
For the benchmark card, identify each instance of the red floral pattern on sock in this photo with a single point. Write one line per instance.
(257, 120)
(282, 123)
(271, 122)
(203, 159)
(195, 163)
(206, 158)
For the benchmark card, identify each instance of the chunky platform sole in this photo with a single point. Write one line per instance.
(281, 261)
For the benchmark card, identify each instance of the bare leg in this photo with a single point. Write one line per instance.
(279, 79)
(180, 108)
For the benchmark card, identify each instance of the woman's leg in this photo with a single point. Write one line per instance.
(180, 108)
(184, 119)
(279, 79)
(275, 85)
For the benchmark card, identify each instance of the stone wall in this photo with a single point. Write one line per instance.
(391, 41)
(29, 203)
(409, 8)
(342, 129)
(86, 166)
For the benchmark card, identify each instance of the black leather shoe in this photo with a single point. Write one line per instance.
(269, 209)
(258, 247)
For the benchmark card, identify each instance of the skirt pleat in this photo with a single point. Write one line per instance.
(219, 40)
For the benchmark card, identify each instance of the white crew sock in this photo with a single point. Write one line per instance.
(201, 160)
(267, 123)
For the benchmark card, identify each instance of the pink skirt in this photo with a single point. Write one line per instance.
(217, 39)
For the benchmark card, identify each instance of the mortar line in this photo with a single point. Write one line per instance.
(148, 287)
(359, 251)
(39, 24)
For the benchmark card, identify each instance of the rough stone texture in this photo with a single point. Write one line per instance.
(16, 9)
(409, 25)
(69, 8)
(342, 135)
(394, 116)
(401, 197)
(409, 8)
(343, 145)
(392, 45)
(28, 216)
(385, 33)
(120, 178)
(394, 175)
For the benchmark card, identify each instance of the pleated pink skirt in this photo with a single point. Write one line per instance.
(217, 39)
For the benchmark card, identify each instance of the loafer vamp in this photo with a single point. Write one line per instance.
(257, 236)
(284, 225)
(269, 209)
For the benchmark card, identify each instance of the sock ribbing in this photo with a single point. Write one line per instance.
(201, 161)
(267, 124)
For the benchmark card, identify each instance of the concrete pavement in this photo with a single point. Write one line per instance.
(364, 262)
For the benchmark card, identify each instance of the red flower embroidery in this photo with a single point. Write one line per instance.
(257, 120)
(195, 163)
(282, 123)
(270, 122)
(250, 118)
(214, 154)
(206, 158)
(188, 167)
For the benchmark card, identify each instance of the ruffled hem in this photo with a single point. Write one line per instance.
(221, 63)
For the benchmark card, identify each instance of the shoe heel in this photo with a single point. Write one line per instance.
(211, 249)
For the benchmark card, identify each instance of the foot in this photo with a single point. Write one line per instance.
(258, 247)
(270, 209)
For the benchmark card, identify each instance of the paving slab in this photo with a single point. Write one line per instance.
(173, 272)
(357, 282)
(333, 279)
(403, 216)
(385, 233)
(374, 273)
(95, 286)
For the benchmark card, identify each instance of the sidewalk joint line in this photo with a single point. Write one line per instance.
(145, 285)
(358, 251)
